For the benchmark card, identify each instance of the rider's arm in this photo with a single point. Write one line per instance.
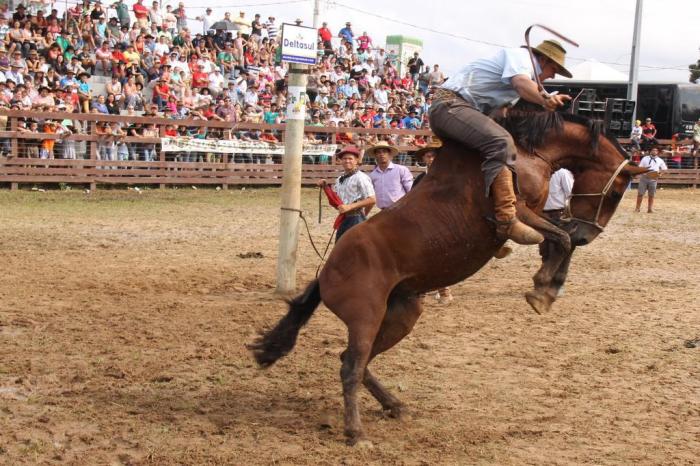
(527, 89)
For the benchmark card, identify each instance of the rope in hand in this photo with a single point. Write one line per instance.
(311, 240)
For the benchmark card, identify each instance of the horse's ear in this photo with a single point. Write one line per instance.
(633, 170)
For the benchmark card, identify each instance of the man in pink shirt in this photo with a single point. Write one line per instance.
(391, 181)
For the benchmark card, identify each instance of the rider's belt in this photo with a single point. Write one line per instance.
(444, 95)
(554, 211)
(354, 213)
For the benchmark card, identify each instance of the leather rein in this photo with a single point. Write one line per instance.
(603, 194)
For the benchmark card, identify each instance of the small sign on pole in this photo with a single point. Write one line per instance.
(299, 44)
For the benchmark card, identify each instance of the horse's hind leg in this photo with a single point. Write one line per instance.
(361, 335)
(401, 316)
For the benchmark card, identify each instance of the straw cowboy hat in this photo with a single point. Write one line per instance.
(352, 150)
(553, 50)
(433, 146)
(381, 145)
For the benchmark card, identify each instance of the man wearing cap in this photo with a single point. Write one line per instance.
(15, 74)
(206, 20)
(325, 34)
(346, 33)
(487, 86)
(122, 10)
(648, 134)
(354, 189)
(647, 182)
(636, 135)
(242, 24)
(271, 28)
(181, 16)
(391, 181)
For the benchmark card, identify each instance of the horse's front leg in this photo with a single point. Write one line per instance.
(554, 250)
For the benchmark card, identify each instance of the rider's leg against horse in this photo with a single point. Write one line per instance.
(456, 119)
(508, 226)
(402, 314)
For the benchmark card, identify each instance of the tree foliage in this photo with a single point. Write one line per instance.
(694, 72)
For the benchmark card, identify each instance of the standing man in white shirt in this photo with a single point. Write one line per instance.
(354, 188)
(560, 185)
(647, 182)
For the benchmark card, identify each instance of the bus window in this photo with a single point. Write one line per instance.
(689, 97)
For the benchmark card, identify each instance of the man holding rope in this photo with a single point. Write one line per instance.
(352, 193)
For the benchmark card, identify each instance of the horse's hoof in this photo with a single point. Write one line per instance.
(396, 412)
(358, 441)
(539, 302)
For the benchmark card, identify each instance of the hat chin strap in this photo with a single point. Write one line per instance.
(540, 87)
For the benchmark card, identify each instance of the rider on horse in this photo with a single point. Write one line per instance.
(462, 108)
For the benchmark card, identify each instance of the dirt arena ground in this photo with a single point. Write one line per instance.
(123, 320)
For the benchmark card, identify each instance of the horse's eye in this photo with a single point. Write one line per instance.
(615, 196)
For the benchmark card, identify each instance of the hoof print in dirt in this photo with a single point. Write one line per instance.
(251, 255)
(115, 373)
(612, 350)
(692, 343)
(162, 379)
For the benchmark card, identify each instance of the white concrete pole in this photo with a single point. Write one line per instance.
(291, 181)
(316, 8)
(634, 61)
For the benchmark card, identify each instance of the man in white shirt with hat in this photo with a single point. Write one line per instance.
(461, 109)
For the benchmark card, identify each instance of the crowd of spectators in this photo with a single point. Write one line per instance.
(154, 65)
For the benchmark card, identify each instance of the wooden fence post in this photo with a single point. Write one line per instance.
(93, 151)
(161, 154)
(14, 149)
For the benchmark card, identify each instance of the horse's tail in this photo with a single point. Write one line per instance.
(277, 342)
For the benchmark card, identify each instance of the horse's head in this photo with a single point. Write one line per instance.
(600, 166)
(602, 173)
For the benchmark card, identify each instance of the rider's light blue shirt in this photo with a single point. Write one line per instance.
(485, 83)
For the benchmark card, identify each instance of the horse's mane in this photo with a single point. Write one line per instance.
(530, 128)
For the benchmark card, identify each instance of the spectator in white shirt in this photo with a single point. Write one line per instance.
(216, 82)
(560, 186)
(162, 48)
(647, 182)
(381, 96)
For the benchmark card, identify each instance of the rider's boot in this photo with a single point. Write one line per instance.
(507, 224)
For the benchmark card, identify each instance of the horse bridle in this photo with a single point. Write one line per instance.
(603, 194)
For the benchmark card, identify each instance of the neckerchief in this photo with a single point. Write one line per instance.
(345, 176)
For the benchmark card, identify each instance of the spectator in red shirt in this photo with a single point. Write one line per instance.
(200, 79)
(648, 135)
(265, 97)
(364, 42)
(161, 93)
(325, 34)
(141, 14)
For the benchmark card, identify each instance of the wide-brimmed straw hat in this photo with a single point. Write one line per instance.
(352, 150)
(433, 146)
(553, 50)
(381, 145)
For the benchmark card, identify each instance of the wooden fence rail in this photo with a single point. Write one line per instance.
(16, 168)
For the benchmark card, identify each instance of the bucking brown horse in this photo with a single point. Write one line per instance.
(441, 233)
